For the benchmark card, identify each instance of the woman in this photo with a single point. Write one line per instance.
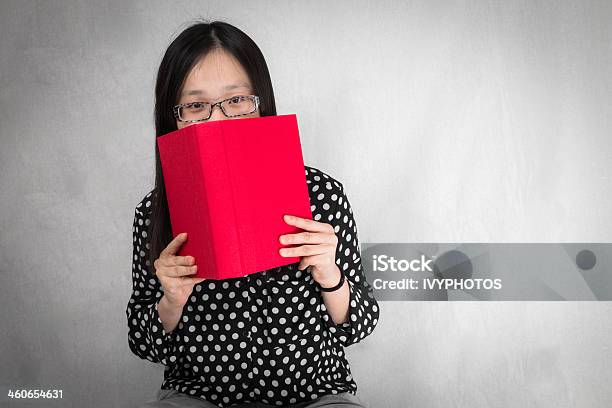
(273, 338)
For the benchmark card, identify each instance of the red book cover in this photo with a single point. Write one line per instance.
(228, 185)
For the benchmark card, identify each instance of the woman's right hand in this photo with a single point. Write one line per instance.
(172, 271)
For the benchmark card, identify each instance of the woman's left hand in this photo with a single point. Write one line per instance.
(319, 250)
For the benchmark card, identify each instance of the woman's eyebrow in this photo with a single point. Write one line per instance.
(226, 88)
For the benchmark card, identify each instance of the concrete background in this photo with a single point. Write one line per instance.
(447, 121)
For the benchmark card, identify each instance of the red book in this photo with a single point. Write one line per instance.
(228, 185)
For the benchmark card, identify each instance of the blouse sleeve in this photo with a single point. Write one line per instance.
(146, 335)
(363, 307)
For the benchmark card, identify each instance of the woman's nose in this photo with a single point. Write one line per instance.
(217, 114)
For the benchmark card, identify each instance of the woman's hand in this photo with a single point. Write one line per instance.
(172, 271)
(319, 250)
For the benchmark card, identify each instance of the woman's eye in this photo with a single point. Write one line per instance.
(196, 106)
(235, 99)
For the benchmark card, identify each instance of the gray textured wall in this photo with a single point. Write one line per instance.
(462, 121)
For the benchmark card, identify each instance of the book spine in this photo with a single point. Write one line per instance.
(203, 218)
(220, 216)
(239, 269)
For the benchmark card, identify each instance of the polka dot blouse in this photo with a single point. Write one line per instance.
(264, 337)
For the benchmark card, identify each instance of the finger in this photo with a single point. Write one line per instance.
(177, 260)
(313, 261)
(192, 281)
(307, 224)
(187, 260)
(305, 262)
(174, 245)
(178, 271)
(306, 250)
(308, 237)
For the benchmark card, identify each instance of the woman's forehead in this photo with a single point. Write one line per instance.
(218, 72)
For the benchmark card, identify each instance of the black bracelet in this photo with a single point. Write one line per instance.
(338, 286)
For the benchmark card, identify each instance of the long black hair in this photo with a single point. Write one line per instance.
(184, 52)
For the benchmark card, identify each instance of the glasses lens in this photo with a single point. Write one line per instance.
(195, 111)
(239, 105)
